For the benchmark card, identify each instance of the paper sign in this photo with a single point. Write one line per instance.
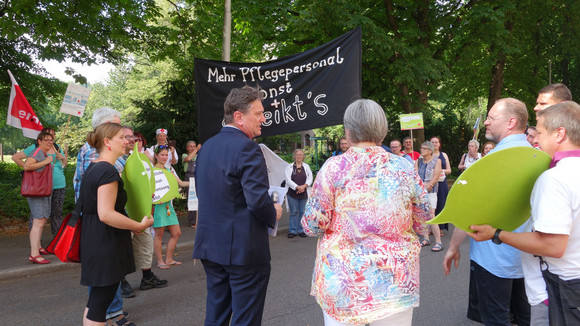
(192, 196)
(495, 190)
(166, 186)
(75, 100)
(411, 121)
(280, 199)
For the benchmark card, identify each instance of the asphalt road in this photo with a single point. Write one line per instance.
(57, 298)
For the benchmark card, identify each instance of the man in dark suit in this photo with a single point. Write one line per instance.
(234, 213)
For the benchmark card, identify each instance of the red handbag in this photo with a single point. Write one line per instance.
(67, 242)
(37, 184)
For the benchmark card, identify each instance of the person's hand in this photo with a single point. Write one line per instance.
(172, 149)
(48, 159)
(198, 147)
(481, 232)
(145, 223)
(452, 255)
(278, 208)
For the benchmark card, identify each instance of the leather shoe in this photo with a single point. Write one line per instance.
(154, 282)
(126, 290)
(302, 235)
(291, 235)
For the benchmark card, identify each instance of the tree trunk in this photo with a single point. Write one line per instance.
(496, 84)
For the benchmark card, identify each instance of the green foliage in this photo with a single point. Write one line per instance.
(83, 31)
(14, 207)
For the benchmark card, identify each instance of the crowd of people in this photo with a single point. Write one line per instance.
(368, 205)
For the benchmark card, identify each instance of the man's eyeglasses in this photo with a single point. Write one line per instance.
(129, 137)
(494, 119)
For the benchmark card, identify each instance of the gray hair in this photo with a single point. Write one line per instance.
(104, 114)
(565, 115)
(475, 142)
(515, 108)
(366, 122)
(429, 145)
(240, 99)
(189, 142)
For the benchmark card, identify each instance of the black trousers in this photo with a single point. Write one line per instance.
(491, 298)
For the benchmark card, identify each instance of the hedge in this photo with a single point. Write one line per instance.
(14, 208)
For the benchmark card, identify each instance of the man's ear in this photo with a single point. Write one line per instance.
(561, 135)
(238, 118)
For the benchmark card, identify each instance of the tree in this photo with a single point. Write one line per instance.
(83, 31)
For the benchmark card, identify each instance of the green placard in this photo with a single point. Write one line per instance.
(495, 190)
(411, 121)
(138, 179)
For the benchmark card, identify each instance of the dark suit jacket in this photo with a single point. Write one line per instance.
(234, 211)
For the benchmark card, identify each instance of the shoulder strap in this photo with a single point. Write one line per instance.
(35, 151)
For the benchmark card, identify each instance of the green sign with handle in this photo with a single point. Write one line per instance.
(495, 190)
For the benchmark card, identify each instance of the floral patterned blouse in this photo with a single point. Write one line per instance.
(366, 205)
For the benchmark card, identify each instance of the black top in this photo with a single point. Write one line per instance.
(106, 252)
(299, 178)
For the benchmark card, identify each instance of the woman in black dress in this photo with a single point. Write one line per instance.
(106, 249)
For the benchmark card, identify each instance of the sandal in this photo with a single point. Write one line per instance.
(424, 242)
(437, 247)
(163, 266)
(43, 251)
(36, 260)
(175, 262)
(121, 321)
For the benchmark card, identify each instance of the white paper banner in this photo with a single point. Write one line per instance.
(161, 185)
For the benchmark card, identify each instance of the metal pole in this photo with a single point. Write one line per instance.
(550, 72)
(227, 30)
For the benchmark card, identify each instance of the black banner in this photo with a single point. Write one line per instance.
(304, 91)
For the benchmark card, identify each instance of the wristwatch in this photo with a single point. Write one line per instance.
(495, 238)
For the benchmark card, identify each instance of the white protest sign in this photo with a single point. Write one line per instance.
(75, 100)
(161, 184)
(192, 196)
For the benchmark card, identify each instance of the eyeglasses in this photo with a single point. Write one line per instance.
(138, 139)
(494, 119)
(129, 137)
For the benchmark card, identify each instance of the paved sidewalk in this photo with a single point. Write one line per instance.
(15, 250)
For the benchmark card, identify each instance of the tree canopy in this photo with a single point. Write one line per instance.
(448, 59)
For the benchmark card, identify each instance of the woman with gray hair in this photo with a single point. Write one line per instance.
(471, 156)
(298, 178)
(366, 206)
(429, 169)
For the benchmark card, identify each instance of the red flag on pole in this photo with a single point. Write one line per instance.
(20, 113)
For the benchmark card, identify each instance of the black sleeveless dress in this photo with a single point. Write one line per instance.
(106, 252)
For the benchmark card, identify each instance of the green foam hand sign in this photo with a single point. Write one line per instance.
(495, 190)
(139, 184)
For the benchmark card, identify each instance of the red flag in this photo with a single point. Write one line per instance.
(20, 113)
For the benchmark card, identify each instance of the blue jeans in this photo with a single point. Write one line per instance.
(116, 307)
(296, 212)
